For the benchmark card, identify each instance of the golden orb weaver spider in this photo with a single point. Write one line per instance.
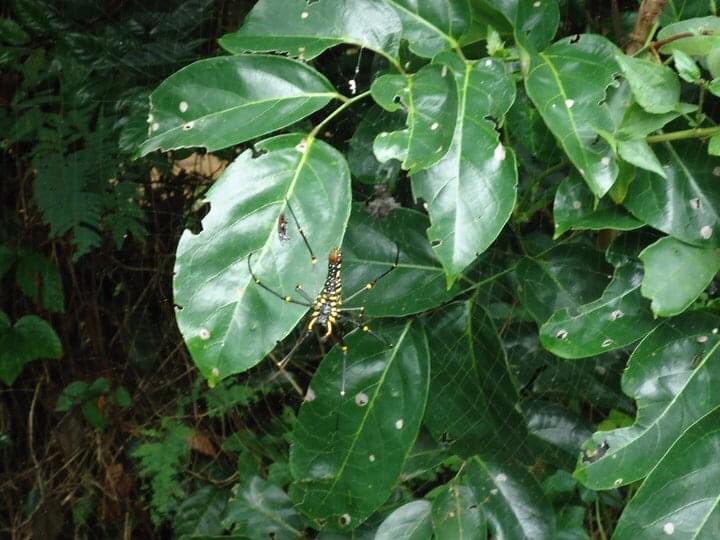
(327, 307)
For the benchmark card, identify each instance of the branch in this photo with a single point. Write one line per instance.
(647, 15)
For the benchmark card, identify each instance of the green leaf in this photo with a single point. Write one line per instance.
(687, 204)
(471, 192)
(40, 280)
(430, 99)
(364, 166)
(617, 319)
(261, 510)
(637, 123)
(74, 393)
(432, 26)
(557, 426)
(511, 499)
(218, 102)
(639, 153)
(30, 338)
(714, 87)
(697, 44)
(568, 82)
(714, 145)
(12, 33)
(527, 129)
(456, 514)
(472, 396)
(409, 522)
(576, 208)
(200, 513)
(369, 249)
(229, 322)
(348, 451)
(674, 374)
(689, 471)
(676, 274)
(568, 276)
(686, 66)
(306, 30)
(655, 87)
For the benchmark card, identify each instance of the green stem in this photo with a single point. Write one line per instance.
(346, 104)
(598, 518)
(695, 133)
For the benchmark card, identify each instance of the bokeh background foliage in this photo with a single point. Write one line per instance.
(541, 361)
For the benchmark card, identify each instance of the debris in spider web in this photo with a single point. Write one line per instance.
(383, 203)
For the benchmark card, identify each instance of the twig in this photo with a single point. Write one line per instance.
(647, 15)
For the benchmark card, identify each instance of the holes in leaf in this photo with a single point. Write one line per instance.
(575, 38)
(194, 222)
(344, 520)
(436, 243)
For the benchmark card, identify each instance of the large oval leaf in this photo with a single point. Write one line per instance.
(567, 83)
(676, 274)
(674, 374)
(430, 99)
(348, 451)
(680, 497)
(687, 204)
(456, 514)
(409, 522)
(511, 498)
(618, 318)
(431, 26)
(370, 247)
(219, 102)
(471, 192)
(229, 323)
(655, 86)
(472, 395)
(306, 30)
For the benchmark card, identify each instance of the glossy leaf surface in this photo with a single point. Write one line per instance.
(370, 247)
(306, 30)
(640, 154)
(655, 87)
(687, 269)
(687, 204)
(229, 323)
(219, 102)
(430, 99)
(364, 166)
(679, 498)
(567, 83)
(456, 514)
(576, 208)
(704, 38)
(348, 451)
(411, 521)
(618, 318)
(566, 277)
(471, 192)
(30, 338)
(511, 499)
(674, 377)
(472, 394)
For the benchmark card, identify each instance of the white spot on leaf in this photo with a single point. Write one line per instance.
(577, 205)
(188, 126)
(499, 153)
(310, 395)
(561, 335)
(716, 171)
(304, 15)
(706, 232)
(215, 372)
(371, 457)
(669, 527)
(618, 482)
(204, 333)
(155, 126)
(361, 399)
(695, 204)
(607, 343)
(500, 478)
(617, 314)
(569, 103)
(399, 424)
(301, 146)
(183, 106)
(434, 126)
(605, 161)
(701, 339)
(150, 118)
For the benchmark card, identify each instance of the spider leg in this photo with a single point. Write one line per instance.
(372, 283)
(287, 299)
(282, 363)
(365, 328)
(305, 295)
(302, 233)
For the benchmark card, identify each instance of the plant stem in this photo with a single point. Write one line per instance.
(695, 133)
(598, 518)
(346, 103)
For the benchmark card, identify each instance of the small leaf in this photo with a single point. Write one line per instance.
(511, 499)
(409, 522)
(228, 321)
(617, 319)
(40, 281)
(568, 82)
(637, 123)
(674, 374)
(655, 87)
(430, 99)
(676, 274)
(568, 276)
(369, 249)
(714, 87)
(364, 166)
(306, 30)
(686, 66)
(471, 192)
(690, 472)
(219, 102)
(576, 208)
(714, 145)
(261, 510)
(639, 153)
(348, 451)
(30, 338)
(697, 44)
(456, 514)
(687, 204)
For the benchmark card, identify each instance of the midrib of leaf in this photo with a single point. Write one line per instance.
(458, 510)
(669, 405)
(426, 23)
(570, 115)
(272, 517)
(400, 265)
(331, 95)
(370, 408)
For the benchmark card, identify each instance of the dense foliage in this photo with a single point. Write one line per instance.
(525, 194)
